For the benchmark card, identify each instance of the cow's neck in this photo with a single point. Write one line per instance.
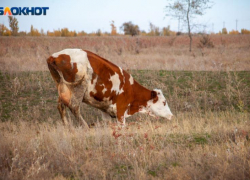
(141, 96)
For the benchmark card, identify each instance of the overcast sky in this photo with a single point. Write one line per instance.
(97, 14)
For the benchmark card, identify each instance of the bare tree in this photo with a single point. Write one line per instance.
(13, 23)
(187, 10)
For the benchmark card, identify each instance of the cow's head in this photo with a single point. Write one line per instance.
(158, 105)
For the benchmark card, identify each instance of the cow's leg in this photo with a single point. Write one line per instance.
(121, 117)
(121, 121)
(63, 100)
(74, 107)
(62, 110)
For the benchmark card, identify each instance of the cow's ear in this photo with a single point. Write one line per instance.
(153, 94)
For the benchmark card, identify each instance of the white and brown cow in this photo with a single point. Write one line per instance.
(82, 76)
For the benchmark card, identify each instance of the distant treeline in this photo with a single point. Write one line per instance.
(128, 28)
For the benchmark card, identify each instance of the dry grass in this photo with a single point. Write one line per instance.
(207, 139)
(192, 146)
(168, 53)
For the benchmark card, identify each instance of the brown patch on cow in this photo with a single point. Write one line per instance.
(62, 63)
(154, 96)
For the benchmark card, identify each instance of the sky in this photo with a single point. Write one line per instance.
(91, 15)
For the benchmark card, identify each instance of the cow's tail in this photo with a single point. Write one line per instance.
(58, 77)
(53, 71)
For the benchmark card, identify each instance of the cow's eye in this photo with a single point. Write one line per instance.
(164, 103)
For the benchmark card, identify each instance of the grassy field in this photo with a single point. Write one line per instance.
(208, 138)
(207, 91)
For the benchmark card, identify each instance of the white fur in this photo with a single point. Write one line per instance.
(116, 84)
(112, 108)
(131, 80)
(121, 70)
(126, 112)
(122, 74)
(158, 107)
(104, 90)
(91, 87)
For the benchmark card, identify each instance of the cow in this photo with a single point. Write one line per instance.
(83, 76)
